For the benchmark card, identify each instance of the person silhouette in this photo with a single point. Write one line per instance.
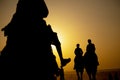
(91, 60)
(53, 69)
(110, 77)
(78, 62)
(116, 76)
(28, 46)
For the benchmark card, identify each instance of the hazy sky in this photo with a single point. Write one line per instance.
(75, 21)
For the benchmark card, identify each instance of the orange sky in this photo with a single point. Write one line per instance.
(75, 21)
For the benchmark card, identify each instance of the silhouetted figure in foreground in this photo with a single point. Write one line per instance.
(91, 60)
(27, 53)
(53, 69)
(62, 76)
(78, 62)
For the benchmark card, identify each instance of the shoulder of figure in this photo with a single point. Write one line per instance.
(50, 29)
(93, 44)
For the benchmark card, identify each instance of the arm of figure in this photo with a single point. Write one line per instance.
(55, 41)
(59, 50)
(57, 44)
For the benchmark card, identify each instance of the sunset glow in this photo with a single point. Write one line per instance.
(75, 21)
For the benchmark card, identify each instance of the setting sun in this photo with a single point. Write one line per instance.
(75, 21)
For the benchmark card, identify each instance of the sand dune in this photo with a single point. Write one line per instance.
(101, 74)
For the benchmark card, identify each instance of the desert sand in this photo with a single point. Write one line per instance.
(101, 74)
